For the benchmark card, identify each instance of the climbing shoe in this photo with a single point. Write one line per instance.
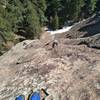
(35, 96)
(20, 97)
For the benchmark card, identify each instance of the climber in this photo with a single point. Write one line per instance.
(54, 44)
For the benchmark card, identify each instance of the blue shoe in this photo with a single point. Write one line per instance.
(35, 96)
(20, 97)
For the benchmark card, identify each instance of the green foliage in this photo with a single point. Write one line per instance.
(26, 17)
(5, 25)
(3, 48)
(9, 36)
(98, 5)
(75, 9)
(18, 15)
(55, 22)
(41, 11)
(53, 6)
(53, 13)
(93, 5)
(30, 25)
(89, 8)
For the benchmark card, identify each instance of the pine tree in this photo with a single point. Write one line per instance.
(32, 20)
(26, 17)
(98, 5)
(65, 9)
(55, 22)
(29, 26)
(93, 5)
(41, 11)
(75, 7)
(53, 7)
(14, 15)
(23, 18)
(5, 25)
(90, 6)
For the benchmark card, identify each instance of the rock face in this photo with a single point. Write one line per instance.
(69, 71)
(66, 72)
(86, 32)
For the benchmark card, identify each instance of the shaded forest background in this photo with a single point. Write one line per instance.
(28, 17)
